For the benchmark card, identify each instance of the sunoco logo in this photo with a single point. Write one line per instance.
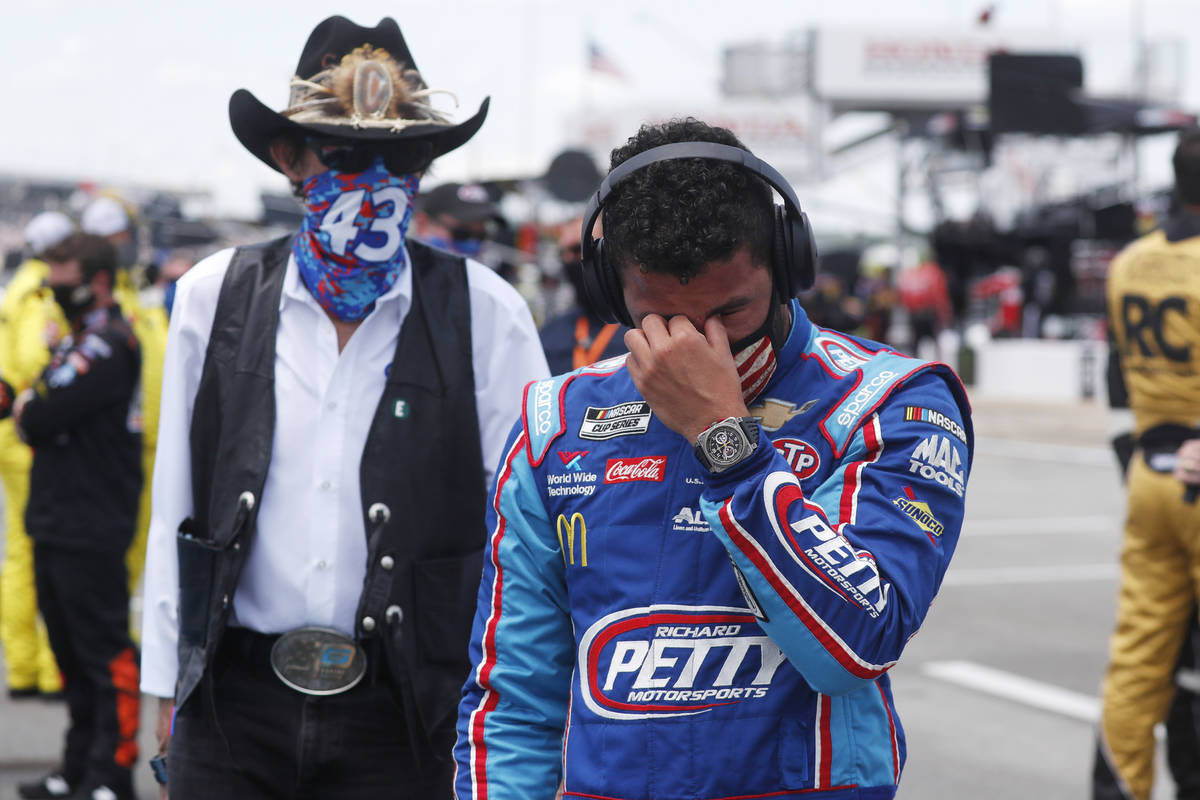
(673, 661)
(543, 412)
(862, 398)
(921, 514)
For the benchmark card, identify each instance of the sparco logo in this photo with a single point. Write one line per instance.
(623, 470)
(543, 407)
(625, 419)
(673, 661)
(852, 410)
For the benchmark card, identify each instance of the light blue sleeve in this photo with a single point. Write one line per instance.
(514, 707)
(843, 578)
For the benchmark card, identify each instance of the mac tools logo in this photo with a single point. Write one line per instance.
(937, 459)
(674, 661)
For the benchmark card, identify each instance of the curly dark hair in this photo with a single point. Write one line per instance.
(677, 216)
(1187, 167)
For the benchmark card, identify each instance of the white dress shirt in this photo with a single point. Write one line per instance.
(308, 558)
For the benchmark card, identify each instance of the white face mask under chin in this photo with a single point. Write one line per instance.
(756, 364)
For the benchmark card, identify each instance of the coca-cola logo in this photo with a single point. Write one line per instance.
(646, 468)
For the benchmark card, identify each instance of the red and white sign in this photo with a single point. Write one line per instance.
(889, 68)
(646, 468)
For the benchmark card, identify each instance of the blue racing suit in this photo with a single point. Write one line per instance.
(647, 629)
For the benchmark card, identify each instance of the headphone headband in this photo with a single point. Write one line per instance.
(671, 152)
(793, 251)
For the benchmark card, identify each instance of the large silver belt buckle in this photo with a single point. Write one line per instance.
(318, 661)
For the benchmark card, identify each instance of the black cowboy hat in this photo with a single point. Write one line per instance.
(346, 91)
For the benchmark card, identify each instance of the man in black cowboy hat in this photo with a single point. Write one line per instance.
(333, 403)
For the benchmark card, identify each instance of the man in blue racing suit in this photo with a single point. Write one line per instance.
(670, 608)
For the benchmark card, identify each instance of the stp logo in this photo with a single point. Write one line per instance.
(801, 456)
(646, 468)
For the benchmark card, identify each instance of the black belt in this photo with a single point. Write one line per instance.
(1160, 443)
(249, 646)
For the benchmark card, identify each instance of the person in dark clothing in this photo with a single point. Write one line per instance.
(80, 418)
(577, 337)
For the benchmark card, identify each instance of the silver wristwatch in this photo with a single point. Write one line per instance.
(727, 442)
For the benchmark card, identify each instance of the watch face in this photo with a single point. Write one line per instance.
(724, 444)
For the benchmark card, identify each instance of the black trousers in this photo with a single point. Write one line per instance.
(1183, 726)
(84, 599)
(245, 734)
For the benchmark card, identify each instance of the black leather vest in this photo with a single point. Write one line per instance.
(422, 479)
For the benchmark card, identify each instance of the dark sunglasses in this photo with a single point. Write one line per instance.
(346, 156)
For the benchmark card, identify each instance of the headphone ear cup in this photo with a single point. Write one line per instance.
(804, 252)
(782, 254)
(602, 285)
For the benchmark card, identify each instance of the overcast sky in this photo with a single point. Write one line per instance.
(137, 91)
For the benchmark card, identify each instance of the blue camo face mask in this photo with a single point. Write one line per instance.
(350, 249)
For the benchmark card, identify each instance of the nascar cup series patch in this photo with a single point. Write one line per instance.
(625, 419)
(674, 661)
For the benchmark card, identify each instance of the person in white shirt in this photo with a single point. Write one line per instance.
(333, 407)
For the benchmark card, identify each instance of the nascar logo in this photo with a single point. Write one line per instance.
(931, 417)
(674, 661)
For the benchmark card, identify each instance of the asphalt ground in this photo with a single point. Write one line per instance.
(998, 691)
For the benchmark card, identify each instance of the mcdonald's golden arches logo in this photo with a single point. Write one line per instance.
(575, 523)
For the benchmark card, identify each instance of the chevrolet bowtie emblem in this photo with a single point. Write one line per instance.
(774, 414)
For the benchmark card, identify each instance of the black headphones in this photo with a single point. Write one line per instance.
(793, 249)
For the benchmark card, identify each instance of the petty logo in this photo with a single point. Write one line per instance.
(674, 660)
(820, 550)
(840, 357)
(801, 456)
(625, 419)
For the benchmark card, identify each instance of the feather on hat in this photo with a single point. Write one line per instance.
(353, 83)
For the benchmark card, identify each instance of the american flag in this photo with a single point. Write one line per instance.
(599, 62)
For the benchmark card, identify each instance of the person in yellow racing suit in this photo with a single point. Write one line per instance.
(29, 318)
(1154, 320)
